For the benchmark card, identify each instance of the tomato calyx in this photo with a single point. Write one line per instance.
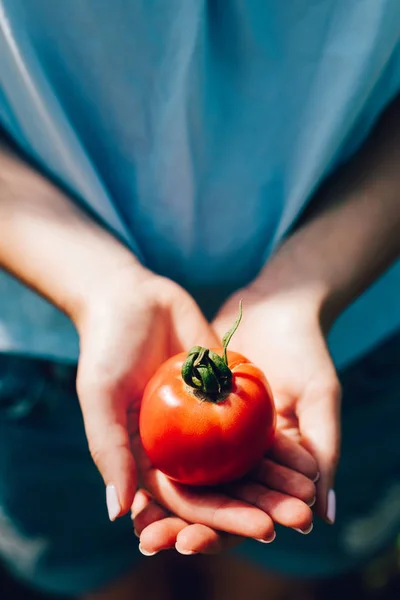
(208, 373)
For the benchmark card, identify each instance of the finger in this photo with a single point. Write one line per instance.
(151, 513)
(200, 539)
(161, 535)
(140, 501)
(211, 508)
(285, 510)
(319, 423)
(106, 430)
(187, 539)
(291, 454)
(285, 480)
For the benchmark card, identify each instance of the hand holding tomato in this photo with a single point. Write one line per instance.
(138, 322)
(282, 333)
(290, 346)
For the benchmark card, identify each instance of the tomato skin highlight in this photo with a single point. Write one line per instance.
(199, 442)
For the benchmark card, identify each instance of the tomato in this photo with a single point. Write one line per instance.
(206, 419)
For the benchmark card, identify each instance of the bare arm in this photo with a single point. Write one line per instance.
(341, 248)
(47, 242)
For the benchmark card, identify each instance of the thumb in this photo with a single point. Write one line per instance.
(106, 425)
(318, 413)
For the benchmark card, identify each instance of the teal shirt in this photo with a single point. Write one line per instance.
(197, 131)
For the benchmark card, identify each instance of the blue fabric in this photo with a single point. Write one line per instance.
(54, 530)
(196, 130)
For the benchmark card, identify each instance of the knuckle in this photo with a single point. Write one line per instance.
(218, 514)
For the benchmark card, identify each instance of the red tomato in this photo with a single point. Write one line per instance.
(197, 438)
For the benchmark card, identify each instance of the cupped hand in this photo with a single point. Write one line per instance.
(281, 486)
(135, 323)
(283, 335)
(138, 322)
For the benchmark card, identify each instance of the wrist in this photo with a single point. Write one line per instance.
(49, 243)
(104, 288)
(291, 282)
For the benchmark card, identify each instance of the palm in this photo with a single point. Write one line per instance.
(121, 350)
(280, 487)
(286, 341)
(133, 329)
(238, 510)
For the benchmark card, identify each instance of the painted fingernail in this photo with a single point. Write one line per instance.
(316, 477)
(305, 531)
(313, 501)
(113, 505)
(136, 533)
(331, 507)
(267, 541)
(184, 552)
(145, 552)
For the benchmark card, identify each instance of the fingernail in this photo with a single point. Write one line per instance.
(145, 552)
(305, 531)
(267, 541)
(316, 478)
(136, 533)
(331, 507)
(113, 505)
(313, 501)
(184, 552)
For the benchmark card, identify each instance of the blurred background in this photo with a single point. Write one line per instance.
(186, 579)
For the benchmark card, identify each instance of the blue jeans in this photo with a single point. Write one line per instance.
(54, 530)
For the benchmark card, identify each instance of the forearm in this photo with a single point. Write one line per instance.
(47, 242)
(339, 251)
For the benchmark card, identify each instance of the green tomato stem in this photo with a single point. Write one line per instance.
(229, 334)
(207, 372)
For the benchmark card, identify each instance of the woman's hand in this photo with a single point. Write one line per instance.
(282, 334)
(127, 329)
(133, 326)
